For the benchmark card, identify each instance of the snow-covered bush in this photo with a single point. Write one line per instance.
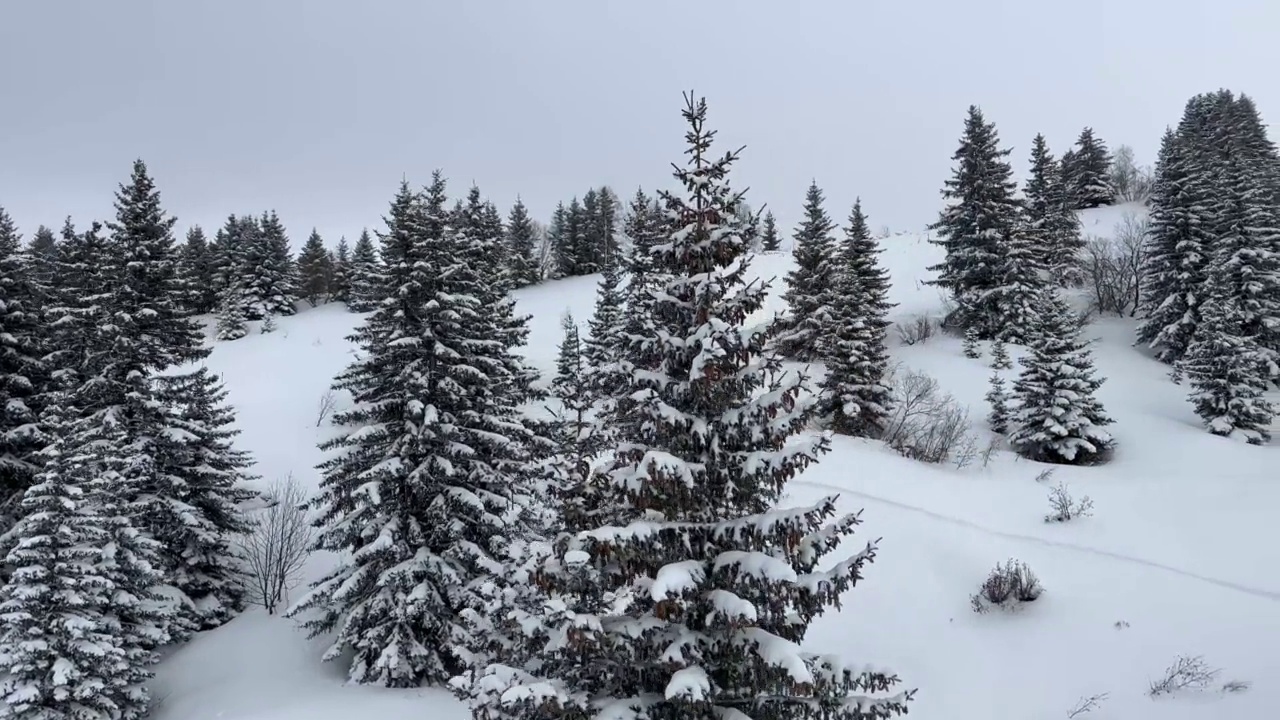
(1008, 587)
(1066, 508)
(917, 329)
(276, 549)
(927, 424)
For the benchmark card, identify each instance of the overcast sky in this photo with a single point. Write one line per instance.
(317, 108)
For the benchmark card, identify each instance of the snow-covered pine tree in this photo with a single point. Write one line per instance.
(73, 312)
(366, 276)
(707, 563)
(809, 285)
(972, 343)
(855, 394)
(270, 286)
(1059, 419)
(1091, 172)
(998, 399)
(1224, 365)
(315, 271)
(226, 255)
(44, 245)
(24, 376)
(340, 260)
(1000, 355)
(196, 272)
(1052, 228)
(231, 322)
(770, 241)
(424, 493)
(600, 236)
(558, 240)
(521, 242)
(603, 344)
(78, 626)
(1068, 169)
(577, 436)
(977, 226)
(1179, 243)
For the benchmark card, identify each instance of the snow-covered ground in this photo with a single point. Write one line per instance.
(1178, 558)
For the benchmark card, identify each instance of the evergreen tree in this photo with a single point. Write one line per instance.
(366, 276)
(1069, 171)
(769, 239)
(78, 626)
(701, 460)
(1090, 175)
(197, 555)
(1052, 229)
(426, 491)
(1178, 243)
(809, 284)
(196, 273)
(570, 239)
(521, 241)
(571, 387)
(23, 373)
(558, 241)
(1000, 355)
(971, 347)
(603, 344)
(226, 255)
(601, 247)
(270, 278)
(1223, 364)
(75, 309)
(977, 228)
(44, 255)
(1058, 418)
(315, 271)
(998, 399)
(231, 324)
(858, 400)
(341, 278)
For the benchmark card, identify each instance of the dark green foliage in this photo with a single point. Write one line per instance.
(44, 255)
(770, 241)
(196, 272)
(855, 394)
(1058, 418)
(366, 276)
(977, 227)
(998, 399)
(809, 283)
(315, 271)
(1088, 173)
(340, 260)
(521, 250)
(972, 348)
(270, 278)
(1052, 231)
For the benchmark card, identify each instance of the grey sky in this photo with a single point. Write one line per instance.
(318, 107)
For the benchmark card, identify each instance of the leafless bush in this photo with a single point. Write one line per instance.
(1236, 686)
(917, 329)
(989, 451)
(276, 548)
(1087, 705)
(1008, 587)
(1114, 267)
(927, 424)
(328, 401)
(1186, 673)
(1132, 183)
(1066, 508)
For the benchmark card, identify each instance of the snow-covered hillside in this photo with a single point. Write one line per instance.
(1178, 558)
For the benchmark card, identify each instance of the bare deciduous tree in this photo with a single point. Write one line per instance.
(276, 548)
(1132, 183)
(1114, 267)
(328, 401)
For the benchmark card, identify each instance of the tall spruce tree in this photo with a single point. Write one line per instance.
(1089, 174)
(809, 284)
(340, 260)
(315, 270)
(425, 492)
(44, 255)
(196, 272)
(521, 242)
(856, 397)
(603, 344)
(977, 226)
(366, 276)
(1058, 419)
(558, 241)
(1053, 230)
(703, 456)
(571, 241)
(769, 238)
(270, 286)
(24, 376)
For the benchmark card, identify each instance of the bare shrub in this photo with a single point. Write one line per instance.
(1087, 705)
(1044, 475)
(1236, 686)
(328, 401)
(1066, 508)
(276, 548)
(1114, 267)
(1008, 587)
(1186, 673)
(989, 451)
(927, 424)
(917, 329)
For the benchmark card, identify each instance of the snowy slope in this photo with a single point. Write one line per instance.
(1179, 552)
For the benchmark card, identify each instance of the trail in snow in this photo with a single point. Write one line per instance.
(1227, 584)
